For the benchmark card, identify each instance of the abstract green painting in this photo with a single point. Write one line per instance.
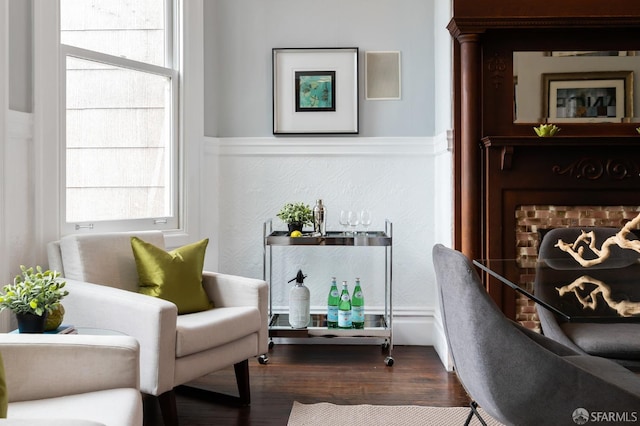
(315, 91)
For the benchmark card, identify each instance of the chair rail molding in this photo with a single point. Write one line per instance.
(324, 146)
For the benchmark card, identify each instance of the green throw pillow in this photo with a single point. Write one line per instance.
(175, 276)
(4, 399)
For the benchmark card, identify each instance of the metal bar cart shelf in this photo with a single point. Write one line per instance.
(376, 325)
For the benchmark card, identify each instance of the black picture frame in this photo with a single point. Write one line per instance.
(315, 91)
(293, 115)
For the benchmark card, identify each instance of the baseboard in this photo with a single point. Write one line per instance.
(441, 346)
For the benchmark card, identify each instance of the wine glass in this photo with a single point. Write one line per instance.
(354, 219)
(365, 219)
(344, 220)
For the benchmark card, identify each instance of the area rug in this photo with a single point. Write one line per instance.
(324, 413)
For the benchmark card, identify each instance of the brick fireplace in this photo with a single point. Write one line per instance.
(532, 219)
(533, 184)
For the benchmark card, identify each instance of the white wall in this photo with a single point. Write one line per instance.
(393, 177)
(389, 167)
(20, 51)
(4, 108)
(240, 36)
(16, 184)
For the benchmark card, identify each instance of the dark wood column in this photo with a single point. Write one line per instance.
(470, 133)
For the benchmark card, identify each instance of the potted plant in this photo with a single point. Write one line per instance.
(296, 216)
(32, 296)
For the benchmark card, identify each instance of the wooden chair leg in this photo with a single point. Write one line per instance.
(242, 379)
(168, 408)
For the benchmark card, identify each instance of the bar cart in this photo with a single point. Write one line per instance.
(376, 325)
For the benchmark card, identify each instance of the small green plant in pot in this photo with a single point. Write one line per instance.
(33, 295)
(296, 216)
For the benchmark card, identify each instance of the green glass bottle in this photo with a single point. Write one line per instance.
(332, 305)
(357, 306)
(344, 309)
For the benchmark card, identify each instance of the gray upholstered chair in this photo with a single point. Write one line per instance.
(617, 341)
(102, 279)
(517, 376)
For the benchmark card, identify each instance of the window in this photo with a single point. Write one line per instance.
(119, 107)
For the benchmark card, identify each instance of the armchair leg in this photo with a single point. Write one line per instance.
(242, 379)
(168, 408)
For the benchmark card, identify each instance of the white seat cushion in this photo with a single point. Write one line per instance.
(213, 328)
(113, 407)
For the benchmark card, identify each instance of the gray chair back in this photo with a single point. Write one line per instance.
(516, 375)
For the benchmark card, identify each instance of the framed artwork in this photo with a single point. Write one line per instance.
(588, 97)
(315, 91)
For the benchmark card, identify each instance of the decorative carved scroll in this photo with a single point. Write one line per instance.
(497, 67)
(593, 169)
(507, 158)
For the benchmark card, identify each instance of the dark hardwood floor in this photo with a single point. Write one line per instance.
(321, 373)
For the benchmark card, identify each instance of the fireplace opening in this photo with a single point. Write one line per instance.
(531, 223)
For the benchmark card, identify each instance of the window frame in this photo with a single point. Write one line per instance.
(45, 166)
(170, 71)
(164, 222)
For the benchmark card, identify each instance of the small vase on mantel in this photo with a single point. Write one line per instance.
(31, 323)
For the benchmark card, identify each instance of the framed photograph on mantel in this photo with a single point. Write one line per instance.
(588, 97)
(315, 91)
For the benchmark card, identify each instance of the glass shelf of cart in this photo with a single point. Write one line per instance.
(332, 238)
(374, 326)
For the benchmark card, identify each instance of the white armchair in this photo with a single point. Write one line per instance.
(102, 280)
(71, 380)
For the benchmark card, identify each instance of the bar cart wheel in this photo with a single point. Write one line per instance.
(388, 361)
(263, 359)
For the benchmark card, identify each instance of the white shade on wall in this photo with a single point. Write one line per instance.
(382, 76)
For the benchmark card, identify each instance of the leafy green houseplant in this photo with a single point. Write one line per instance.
(296, 215)
(33, 293)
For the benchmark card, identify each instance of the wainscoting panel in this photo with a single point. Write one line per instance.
(392, 177)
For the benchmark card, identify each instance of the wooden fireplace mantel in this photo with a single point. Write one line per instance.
(510, 145)
(500, 164)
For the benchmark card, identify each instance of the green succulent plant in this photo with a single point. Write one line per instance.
(296, 213)
(35, 292)
(546, 130)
